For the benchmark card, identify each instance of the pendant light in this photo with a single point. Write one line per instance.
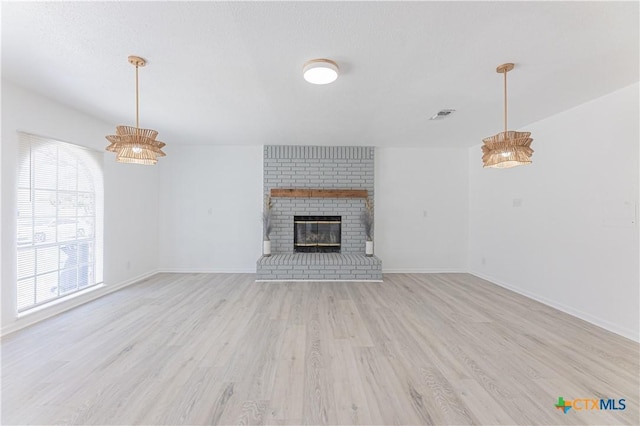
(509, 148)
(133, 144)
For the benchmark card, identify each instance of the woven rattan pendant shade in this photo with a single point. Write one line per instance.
(132, 144)
(135, 145)
(509, 148)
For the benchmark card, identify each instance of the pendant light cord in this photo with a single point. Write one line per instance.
(505, 102)
(137, 114)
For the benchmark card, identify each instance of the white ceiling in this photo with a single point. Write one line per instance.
(230, 72)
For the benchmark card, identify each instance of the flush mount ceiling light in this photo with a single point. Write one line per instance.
(320, 71)
(508, 148)
(133, 144)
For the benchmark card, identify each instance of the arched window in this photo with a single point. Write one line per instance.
(60, 215)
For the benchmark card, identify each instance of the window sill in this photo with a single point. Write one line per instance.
(59, 301)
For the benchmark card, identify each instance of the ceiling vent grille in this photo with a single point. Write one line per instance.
(442, 114)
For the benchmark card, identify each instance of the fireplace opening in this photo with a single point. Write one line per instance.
(316, 234)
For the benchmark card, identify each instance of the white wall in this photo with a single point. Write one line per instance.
(573, 242)
(228, 180)
(130, 191)
(210, 209)
(421, 209)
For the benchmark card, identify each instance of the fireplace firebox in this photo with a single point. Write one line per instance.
(316, 234)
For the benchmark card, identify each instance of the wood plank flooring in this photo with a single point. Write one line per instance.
(223, 349)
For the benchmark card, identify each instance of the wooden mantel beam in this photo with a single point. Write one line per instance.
(318, 193)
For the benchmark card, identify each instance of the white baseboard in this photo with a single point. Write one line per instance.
(58, 307)
(423, 271)
(207, 270)
(602, 323)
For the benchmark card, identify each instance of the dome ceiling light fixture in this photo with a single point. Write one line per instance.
(509, 148)
(133, 144)
(320, 71)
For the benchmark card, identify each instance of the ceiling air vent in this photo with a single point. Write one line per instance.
(442, 114)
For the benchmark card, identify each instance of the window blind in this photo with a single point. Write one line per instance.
(60, 220)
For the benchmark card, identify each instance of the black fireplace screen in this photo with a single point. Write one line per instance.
(316, 234)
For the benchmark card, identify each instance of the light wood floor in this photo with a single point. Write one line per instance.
(223, 349)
